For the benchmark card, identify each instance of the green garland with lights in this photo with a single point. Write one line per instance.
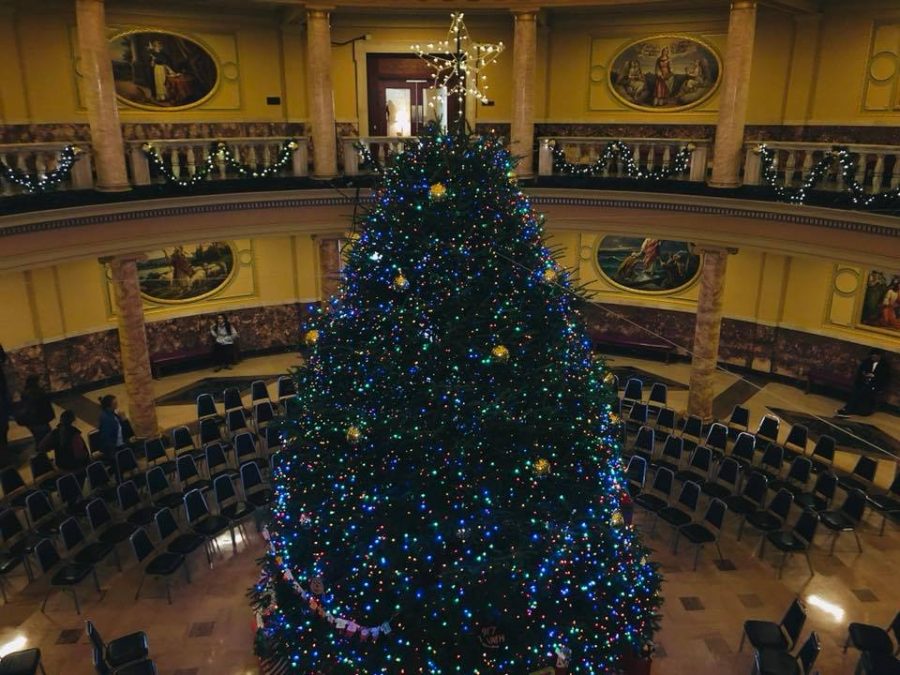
(848, 166)
(43, 181)
(613, 149)
(220, 152)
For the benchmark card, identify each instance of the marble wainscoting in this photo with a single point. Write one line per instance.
(85, 361)
(766, 349)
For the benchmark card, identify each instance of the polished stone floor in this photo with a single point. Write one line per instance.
(209, 629)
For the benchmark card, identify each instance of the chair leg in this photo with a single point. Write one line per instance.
(783, 563)
(846, 643)
(96, 581)
(46, 597)
(809, 564)
(718, 548)
(41, 666)
(3, 590)
(697, 556)
(187, 570)
(168, 591)
(834, 539)
(75, 598)
(117, 558)
(233, 540)
(740, 532)
(140, 586)
(762, 547)
(675, 542)
(858, 542)
(743, 638)
(883, 524)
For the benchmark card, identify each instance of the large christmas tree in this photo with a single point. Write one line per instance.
(449, 500)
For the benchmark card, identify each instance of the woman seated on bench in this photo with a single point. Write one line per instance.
(224, 349)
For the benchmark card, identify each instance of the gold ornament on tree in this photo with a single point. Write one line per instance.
(550, 275)
(311, 337)
(541, 467)
(614, 419)
(500, 354)
(617, 519)
(401, 283)
(353, 435)
(437, 191)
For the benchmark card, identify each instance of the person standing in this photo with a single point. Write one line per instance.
(872, 377)
(37, 411)
(115, 430)
(70, 452)
(224, 348)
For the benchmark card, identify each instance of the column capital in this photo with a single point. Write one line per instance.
(527, 13)
(742, 4)
(319, 11)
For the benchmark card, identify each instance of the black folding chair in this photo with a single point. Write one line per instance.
(636, 475)
(751, 498)
(183, 442)
(771, 462)
(775, 662)
(770, 519)
(43, 474)
(132, 506)
(79, 549)
(42, 519)
(255, 491)
(161, 566)
(66, 576)
(862, 477)
(231, 398)
(286, 388)
(725, 483)
(188, 476)
(704, 532)
(259, 391)
(670, 458)
(263, 414)
(797, 476)
(822, 456)
(658, 397)
(15, 491)
(717, 439)
(738, 421)
(99, 482)
(795, 444)
(644, 444)
(177, 541)
(743, 450)
(107, 530)
(887, 503)
(161, 492)
(634, 392)
(665, 423)
(206, 407)
(692, 431)
(660, 492)
(17, 541)
(770, 635)
(796, 540)
(22, 662)
(119, 651)
(217, 462)
(767, 431)
(846, 518)
(202, 521)
(682, 511)
(232, 507)
(70, 490)
(698, 467)
(156, 455)
(127, 467)
(209, 432)
(820, 497)
(875, 639)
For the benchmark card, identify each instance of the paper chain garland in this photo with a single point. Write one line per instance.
(220, 153)
(64, 163)
(350, 627)
(680, 162)
(848, 169)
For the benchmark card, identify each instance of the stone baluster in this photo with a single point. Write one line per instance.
(252, 157)
(175, 161)
(545, 158)
(805, 170)
(221, 165)
(861, 158)
(667, 156)
(790, 166)
(895, 172)
(878, 173)
(190, 160)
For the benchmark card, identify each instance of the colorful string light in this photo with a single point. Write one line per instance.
(451, 469)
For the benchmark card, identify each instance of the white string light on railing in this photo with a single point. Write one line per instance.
(220, 154)
(847, 170)
(44, 181)
(458, 62)
(680, 162)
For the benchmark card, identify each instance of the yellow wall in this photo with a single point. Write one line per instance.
(73, 298)
(833, 68)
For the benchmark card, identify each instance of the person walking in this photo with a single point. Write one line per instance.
(36, 409)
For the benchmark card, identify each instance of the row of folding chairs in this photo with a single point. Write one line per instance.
(134, 512)
(232, 399)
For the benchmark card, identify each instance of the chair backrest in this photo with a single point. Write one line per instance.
(10, 525)
(854, 505)
(206, 406)
(663, 481)
(209, 431)
(259, 391)
(808, 653)
(715, 515)
(806, 526)
(40, 466)
(154, 449)
(729, 471)
(865, 468)
(665, 419)
(98, 515)
(93, 439)
(195, 506)
(141, 544)
(224, 489)
(95, 638)
(824, 448)
(637, 470)
(740, 417)
(800, 470)
(895, 627)
(126, 461)
(244, 444)
(165, 523)
(235, 419)
(46, 554)
(69, 488)
(10, 480)
(186, 468)
(673, 448)
(701, 459)
(232, 398)
(717, 436)
(768, 428)
(215, 456)
(744, 446)
(128, 495)
(634, 389)
(273, 438)
(157, 483)
(181, 438)
(659, 393)
(638, 413)
(71, 533)
(292, 406)
(826, 485)
(756, 487)
(781, 504)
(263, 412)
(38, 506)
(644, 440)
(692, 428)
(798, 435)
(251, 477)
(286, 387)
(690, 496)
(793, 620)
(773, 456)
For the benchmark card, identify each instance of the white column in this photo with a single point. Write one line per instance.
(320, 91)
(524, 65)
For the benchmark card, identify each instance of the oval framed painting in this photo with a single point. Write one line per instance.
(645, 265)
(160, 70)
(665, 73)
(186, 272)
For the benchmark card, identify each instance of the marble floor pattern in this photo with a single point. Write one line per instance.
(209, 628)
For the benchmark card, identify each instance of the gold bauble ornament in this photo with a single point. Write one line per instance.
(643, 560)
(500, 353)
(401, 283)
(541, 467)
(311, 337)
(609, 379)
(437, 191)
(353, 434)
(550, 275)
(614, 419)
(617, 519)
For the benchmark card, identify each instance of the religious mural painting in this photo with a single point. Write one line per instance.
(186, 272)
(881, 300)
(158, 70)
(647, 265)
(665, 72)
